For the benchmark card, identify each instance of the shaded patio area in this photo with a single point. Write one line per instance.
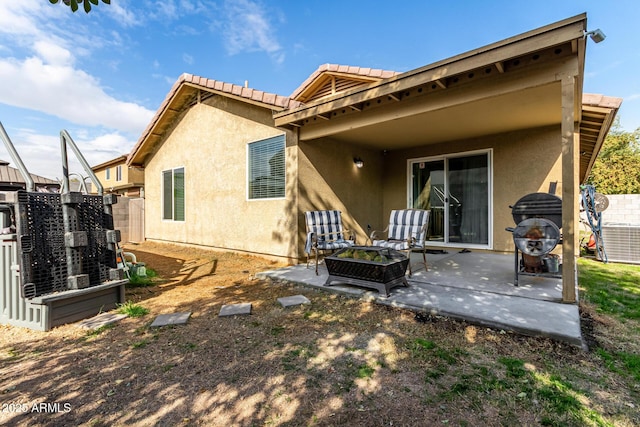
(472, 286)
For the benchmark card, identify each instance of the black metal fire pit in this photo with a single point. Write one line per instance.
(368, 266)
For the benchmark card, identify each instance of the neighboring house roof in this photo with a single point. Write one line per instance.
(189, 89)
(12, 176)
(118, 160)
(330, 79)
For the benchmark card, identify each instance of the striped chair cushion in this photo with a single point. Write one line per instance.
(393, 244)
(408, 223)
(327, 226)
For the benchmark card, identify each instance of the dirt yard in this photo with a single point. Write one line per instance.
(336, 361)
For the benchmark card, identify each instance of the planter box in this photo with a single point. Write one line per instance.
(45, 312)
(368, 266)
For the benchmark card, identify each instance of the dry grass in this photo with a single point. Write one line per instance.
(337, 361)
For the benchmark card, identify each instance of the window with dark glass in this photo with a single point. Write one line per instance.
(173, 194)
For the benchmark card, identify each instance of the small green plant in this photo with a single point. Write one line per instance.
(277, 330)
(101, 329)
(132, 309)
(365, 371)
(140, 344)
(136, 281)
(515, 367)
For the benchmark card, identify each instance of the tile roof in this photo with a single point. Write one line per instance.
(213, 86)
(237, 90)
(374, 73)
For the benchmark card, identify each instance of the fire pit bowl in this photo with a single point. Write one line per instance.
(368, 266)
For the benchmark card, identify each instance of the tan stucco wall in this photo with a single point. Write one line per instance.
(129, 175)
(523, 162)
(329, 179)
(210, 142)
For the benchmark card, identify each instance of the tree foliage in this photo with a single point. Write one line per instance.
(73, 4)
(617, 168)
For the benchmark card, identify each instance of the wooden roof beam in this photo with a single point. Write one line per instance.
(500, 67)
(440, 83)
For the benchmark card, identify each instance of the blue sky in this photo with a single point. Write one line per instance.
(101, 76)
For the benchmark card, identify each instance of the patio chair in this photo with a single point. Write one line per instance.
(407, 230)
(325, 233)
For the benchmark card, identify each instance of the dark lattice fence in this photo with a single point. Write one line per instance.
(41, 242)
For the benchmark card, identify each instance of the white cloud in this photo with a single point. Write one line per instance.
(40, 48)
(42, 71)
(248, 29)
(124, 16)
(52, 53)
(67, 93)
(187, 58)
(41, 153)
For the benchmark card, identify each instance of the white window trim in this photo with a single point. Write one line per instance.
(489, 152)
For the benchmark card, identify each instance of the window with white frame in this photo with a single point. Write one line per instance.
(173, 194)
(107, 174)
(266, 164)
(119, 173)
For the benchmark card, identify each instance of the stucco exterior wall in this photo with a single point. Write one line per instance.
(329, 180)
(210, 141)
(129, 176)
(523, 162)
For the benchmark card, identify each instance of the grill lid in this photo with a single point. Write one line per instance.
(536, 236)
(538, 205)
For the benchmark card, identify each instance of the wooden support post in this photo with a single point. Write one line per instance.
(570, 188)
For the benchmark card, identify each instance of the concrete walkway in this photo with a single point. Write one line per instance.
(476, 287)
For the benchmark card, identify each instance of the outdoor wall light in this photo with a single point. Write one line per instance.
(358, 162)
(596, 35)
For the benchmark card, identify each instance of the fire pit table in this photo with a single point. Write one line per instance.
(368, 266)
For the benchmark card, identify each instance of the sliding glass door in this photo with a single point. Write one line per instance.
(456, 190)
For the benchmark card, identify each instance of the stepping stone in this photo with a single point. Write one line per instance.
(101, 320)
(235, 309)
(293, 300)
(171, 319)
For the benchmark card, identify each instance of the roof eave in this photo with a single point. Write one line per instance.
(496, 53)
(608, 107)
(175, 101)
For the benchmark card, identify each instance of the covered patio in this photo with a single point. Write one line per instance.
(473, 286)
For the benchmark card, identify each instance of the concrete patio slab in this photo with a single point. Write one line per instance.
(171, 319)
(101, 320)
(235, 309)
(293, 300)
(476, 287)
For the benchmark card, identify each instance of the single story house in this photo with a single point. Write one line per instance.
(11, 179)
(231, 167)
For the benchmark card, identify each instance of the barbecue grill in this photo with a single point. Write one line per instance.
(539, 218)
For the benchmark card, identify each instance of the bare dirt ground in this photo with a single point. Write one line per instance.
(336, 361)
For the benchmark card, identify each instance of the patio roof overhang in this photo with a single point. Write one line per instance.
(509, 85)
